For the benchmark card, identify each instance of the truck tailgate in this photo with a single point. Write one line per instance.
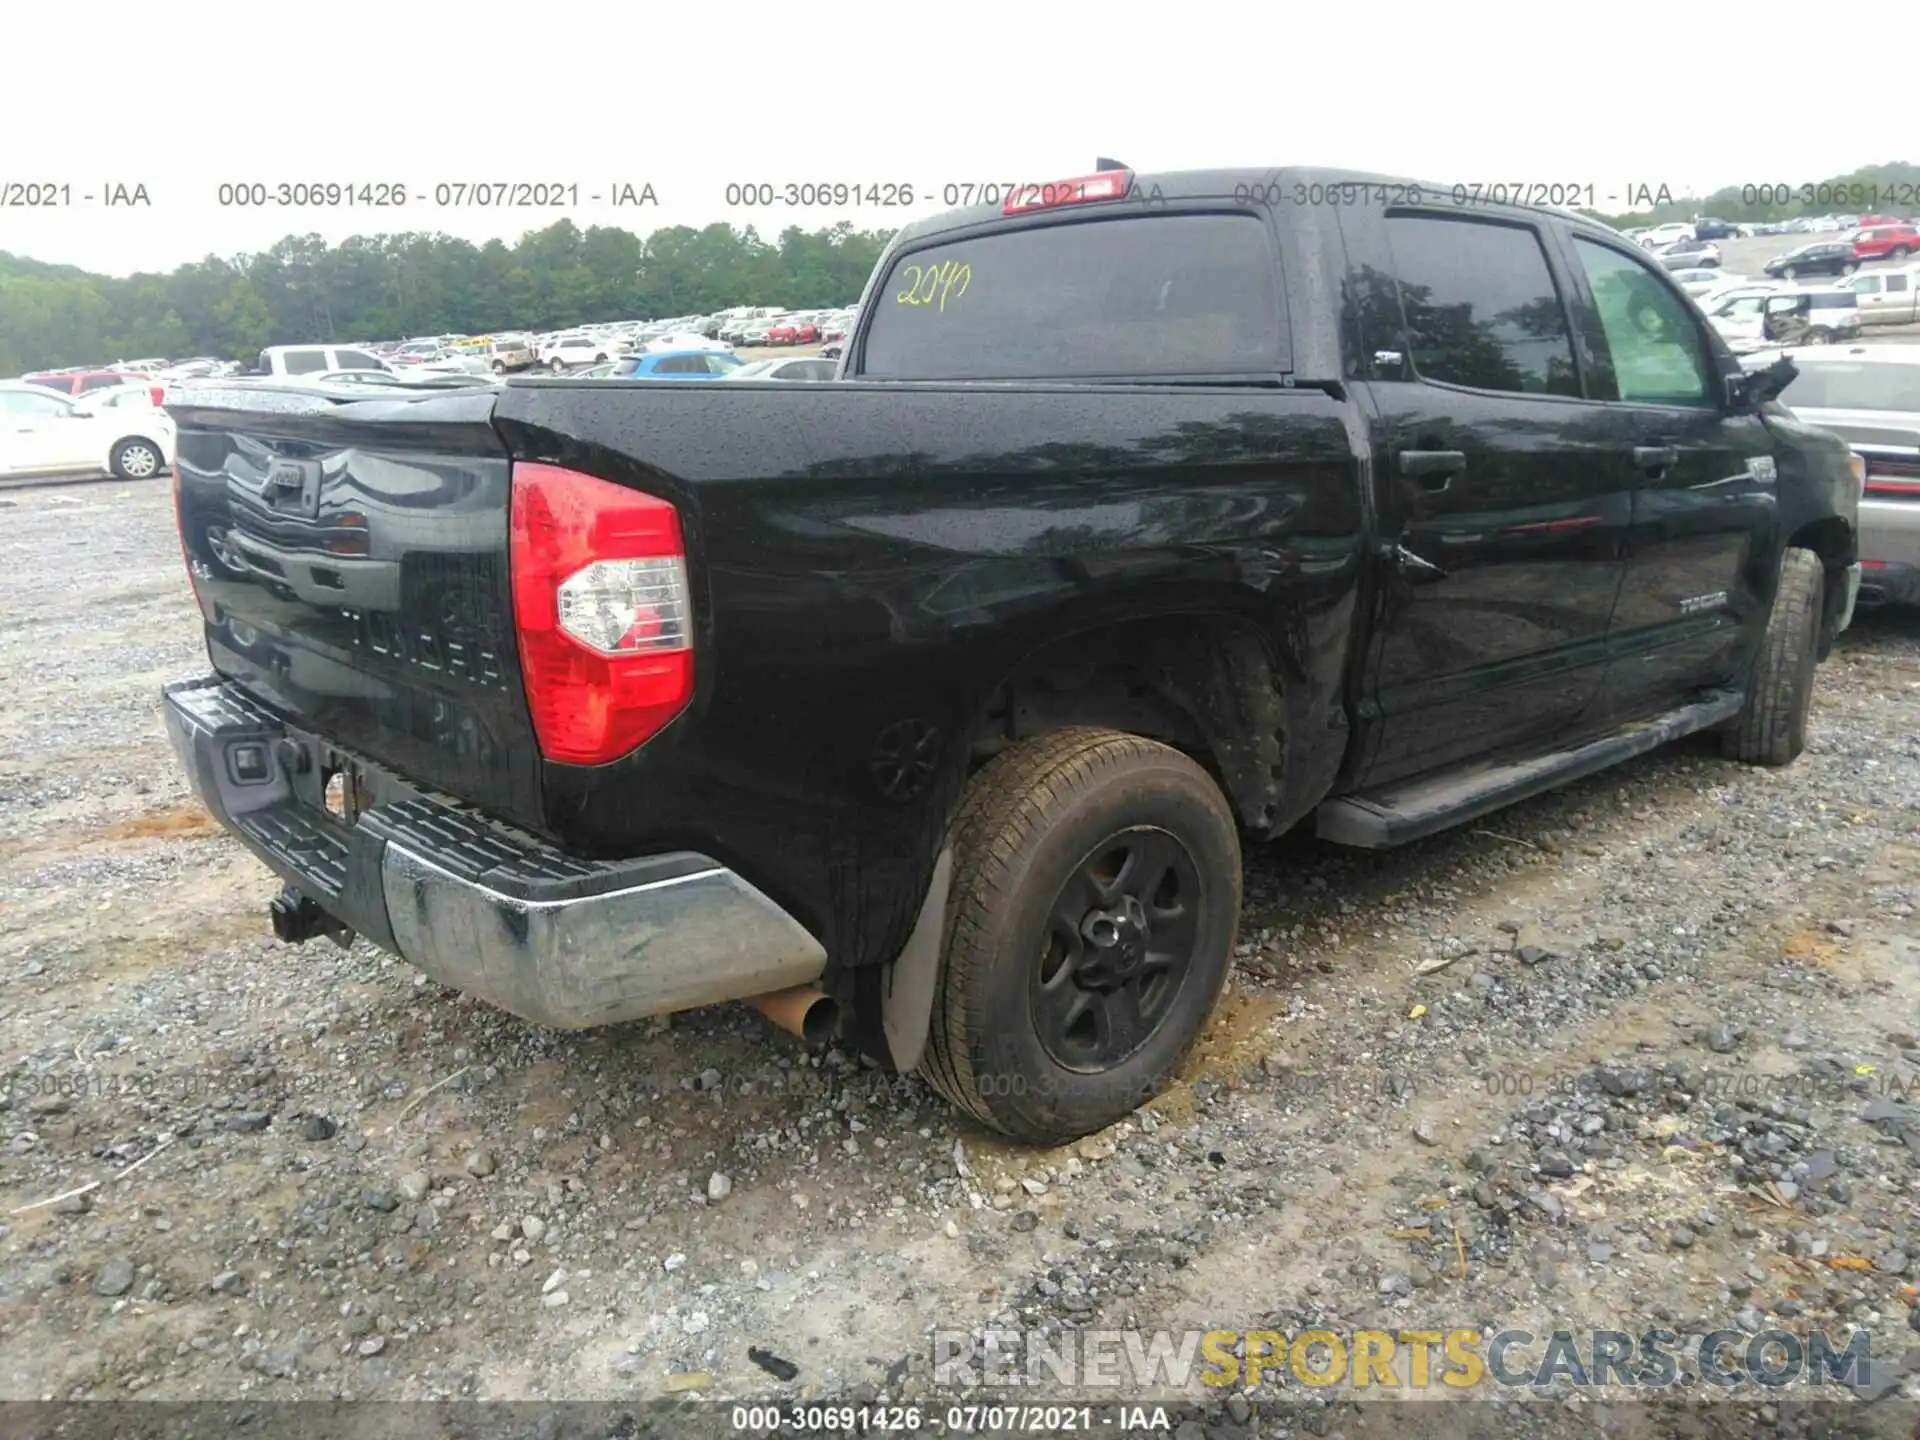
(352, 569)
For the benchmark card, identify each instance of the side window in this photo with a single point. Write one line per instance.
(1657, 355)
(1896, 284)
(304, 362)
(355, 360)
(32, 407)
(1481, 307)
(1868, 284)
(101, 382)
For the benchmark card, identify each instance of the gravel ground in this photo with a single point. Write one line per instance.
(1634, 1054)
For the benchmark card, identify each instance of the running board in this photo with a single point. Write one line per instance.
(1380, 819)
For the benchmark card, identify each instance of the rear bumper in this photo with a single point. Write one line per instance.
(479, 906)
(1889, 584)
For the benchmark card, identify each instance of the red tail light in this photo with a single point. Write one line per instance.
(602, 612)
(1082, 190)
(159, 394)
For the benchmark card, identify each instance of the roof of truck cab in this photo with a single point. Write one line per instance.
(1177, 185)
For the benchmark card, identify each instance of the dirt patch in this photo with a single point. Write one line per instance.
(189, 821)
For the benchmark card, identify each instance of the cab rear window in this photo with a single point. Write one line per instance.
(1143, 296)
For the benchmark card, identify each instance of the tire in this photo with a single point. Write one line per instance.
(1792, 272)
(1771, 728)
(1899, 252)
(1849, 268)
(1039, 820)
(136, 458)
(557, 365)
(499, 368)
(1819, 335)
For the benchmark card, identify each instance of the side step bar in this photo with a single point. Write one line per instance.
(1380, 819)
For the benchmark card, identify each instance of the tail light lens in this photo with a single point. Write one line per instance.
(159, 394)
(601, 610)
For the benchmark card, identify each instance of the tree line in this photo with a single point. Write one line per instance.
(385, 287)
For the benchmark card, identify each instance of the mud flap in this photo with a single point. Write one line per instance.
(907, 991)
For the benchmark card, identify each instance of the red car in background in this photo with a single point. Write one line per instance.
(79, 382)
(793, 332)
(1886, 242)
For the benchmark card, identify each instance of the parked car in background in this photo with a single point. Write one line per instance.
(1663, 235)
(1690, 254)
(415, 352)
(46, 433)
(85, 382)
(1697, 282)
(312, 359)
(793, 330)
(686, 340)
(810, 368)
(510, 353)
(1887, 297)
(701, 364)
(563, 352)
(1708, 228)
(1810, 315)
(1738, 314)
(1886, 242)
(1822, 257)
(1869, 395)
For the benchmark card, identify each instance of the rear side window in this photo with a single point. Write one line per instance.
(1142, 296)
(628, 366)
(357, 360)
(1882, 385)
(101, 382)
(1481, 307)
(304, 362)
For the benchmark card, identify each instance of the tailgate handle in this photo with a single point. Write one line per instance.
(1434, 469)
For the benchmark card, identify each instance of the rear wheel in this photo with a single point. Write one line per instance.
(1819, 335)
(499, 367)
(557, 365)
(1899, 252)
(136, 459)
(1849, 268)
(1771, 729)
(1792, 272)
(1096, 893)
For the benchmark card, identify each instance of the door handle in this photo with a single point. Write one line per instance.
(1655, 457)
(1436, 468)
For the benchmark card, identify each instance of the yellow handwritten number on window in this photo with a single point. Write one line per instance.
(934, 284)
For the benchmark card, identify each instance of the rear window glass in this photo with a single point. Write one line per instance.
(1158, 295)
(1838, 386)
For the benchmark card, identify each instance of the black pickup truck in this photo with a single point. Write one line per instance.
(929, 707)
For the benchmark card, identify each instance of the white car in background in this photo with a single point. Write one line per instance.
(565, 350)
(685, 341)
(1661, 236)
(119, 431)
(1699, 280)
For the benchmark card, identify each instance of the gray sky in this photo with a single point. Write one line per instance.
(691, 97)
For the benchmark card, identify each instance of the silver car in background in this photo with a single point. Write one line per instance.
(1869, 395)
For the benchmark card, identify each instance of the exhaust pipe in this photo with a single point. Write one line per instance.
(804, 1011)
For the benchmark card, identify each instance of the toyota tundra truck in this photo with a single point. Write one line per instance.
(933, 707)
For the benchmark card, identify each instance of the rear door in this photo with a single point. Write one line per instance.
(1500, 508)
(1698, 576)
